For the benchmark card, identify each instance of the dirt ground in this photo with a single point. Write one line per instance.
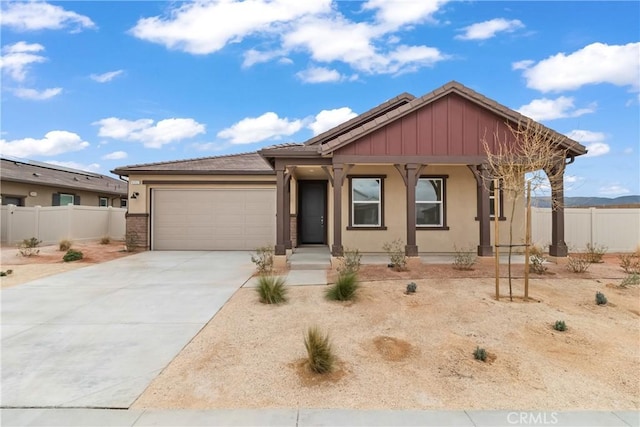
(399, 351)
(49, 260)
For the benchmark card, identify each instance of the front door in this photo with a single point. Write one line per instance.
(312, 198)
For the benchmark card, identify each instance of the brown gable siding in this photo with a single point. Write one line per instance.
(450, 126)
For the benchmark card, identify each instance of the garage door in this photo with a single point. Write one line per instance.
(220, 219)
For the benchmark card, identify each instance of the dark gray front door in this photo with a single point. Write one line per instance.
(312, 196)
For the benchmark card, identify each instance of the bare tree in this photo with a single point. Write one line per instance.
(526, 148)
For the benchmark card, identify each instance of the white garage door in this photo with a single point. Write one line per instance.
(220, 219)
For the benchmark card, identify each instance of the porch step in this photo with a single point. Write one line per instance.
(310, 258)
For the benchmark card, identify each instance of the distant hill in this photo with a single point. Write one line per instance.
(586, 202)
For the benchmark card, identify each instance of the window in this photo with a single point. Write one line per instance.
(63, 199)
(123, 203)
(366, 201)
(12, 200)
(103, 202)
(66, 199)
(492, 197)
(430, 202)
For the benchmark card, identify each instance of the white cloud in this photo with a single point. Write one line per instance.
(613, 190)
(594, 141)
(206, 27)
(628, 150)
(315, 27)
(327, 119)
(37, 95)
(116, 155)
(149, 134)
(551, 109)
(255, 129)
(594, 64)
(54, 143)
(319, 75)
(17, 57)
(33, 16)
(92, 167)
(106, 77)
(488, 29)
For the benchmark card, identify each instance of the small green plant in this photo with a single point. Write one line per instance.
(319, 352)
(578, 263)
(600, 298)
(630, 263)
(263, 259)
(130, 241)
(560, 326)
(595, 252)
(105, 240)
(464, 259)
(345, 287)
(72, 255)
(29, 247)
(272, 289)
(350, 261)
(5, 273)
(64, 245)
(480, 354)
(397, 257)
(411, 288)
(632, 279)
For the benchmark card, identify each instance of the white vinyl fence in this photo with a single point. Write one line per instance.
(54, 223)
(617, 229)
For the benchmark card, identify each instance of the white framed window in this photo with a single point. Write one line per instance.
(66, 199)
(430, 202)
(366, 194)
(103, 202)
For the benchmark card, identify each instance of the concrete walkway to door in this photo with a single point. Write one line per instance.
(97, 336)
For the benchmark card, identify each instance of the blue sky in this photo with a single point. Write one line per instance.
(98, 84)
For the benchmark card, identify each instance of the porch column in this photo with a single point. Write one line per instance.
(338, 177)
(287, 210)
(483, 209)
(558, 247)
(280, 248)
(413, 170)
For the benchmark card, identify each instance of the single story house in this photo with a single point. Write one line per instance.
(411, 168)
(30, 183)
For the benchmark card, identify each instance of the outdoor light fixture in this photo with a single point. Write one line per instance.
(135, 195)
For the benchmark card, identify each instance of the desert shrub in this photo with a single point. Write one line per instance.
(272, 289)
(600, 298)
(64, 245)
(480, 354)
(578, 263)
(411, 288)
(536, 263)
(631, 280)
(319, 352)
(397, 257)
(263, 259)
(72, 255)
(345, 287)
(350, 261)
(630, 263)
(560, 326)
(130, 241)
(5, 273)
(105, 240)
(595, 252)
(464, 259)
(29, 247)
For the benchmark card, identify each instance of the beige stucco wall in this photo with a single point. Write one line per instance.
(44, 195)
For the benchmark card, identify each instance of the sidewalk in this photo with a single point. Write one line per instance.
(313, 417)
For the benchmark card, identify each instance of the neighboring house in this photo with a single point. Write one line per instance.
(410, 169)
(30, 183)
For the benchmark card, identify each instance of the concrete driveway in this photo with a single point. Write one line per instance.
(97, 336)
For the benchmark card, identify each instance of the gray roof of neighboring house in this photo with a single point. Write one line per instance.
(32, 172)
(232, 164)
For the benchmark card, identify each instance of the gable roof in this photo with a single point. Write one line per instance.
(574, 148)
(361, 119)
(231, 164)
(32, 172)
